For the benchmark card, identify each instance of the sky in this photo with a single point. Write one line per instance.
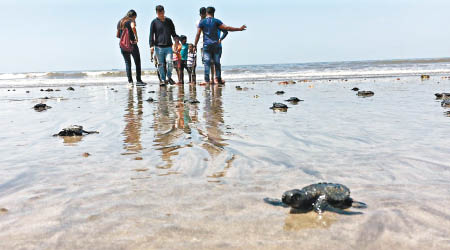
(65, 35)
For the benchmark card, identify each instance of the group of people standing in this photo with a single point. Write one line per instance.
(168, 54)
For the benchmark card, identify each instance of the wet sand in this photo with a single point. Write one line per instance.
(175, 175)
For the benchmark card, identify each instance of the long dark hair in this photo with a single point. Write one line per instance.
(128, 16)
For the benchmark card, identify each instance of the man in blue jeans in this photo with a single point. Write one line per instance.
(210, 27)
(162, 30)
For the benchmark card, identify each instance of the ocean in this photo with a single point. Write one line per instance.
(297, 71)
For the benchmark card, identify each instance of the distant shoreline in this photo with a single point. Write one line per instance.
(385, 61)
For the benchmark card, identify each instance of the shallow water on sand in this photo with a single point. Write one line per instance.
(175, 175)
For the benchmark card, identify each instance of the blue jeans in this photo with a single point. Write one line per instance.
(165, 56)
(212, 52)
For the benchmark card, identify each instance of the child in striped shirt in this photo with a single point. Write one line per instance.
(191, 63)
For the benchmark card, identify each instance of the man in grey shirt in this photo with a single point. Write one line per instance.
(162, 30)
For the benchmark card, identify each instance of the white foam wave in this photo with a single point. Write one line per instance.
(235, 73)
(315, 74)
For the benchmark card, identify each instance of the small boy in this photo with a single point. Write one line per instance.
(177, 57)
(191, 63)
(184, 57)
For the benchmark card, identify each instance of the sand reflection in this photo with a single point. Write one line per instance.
(177, 124)
(214, 119)
(133, 120)
(172, 120)
(71, 140)
(213, 114)
(311, 220)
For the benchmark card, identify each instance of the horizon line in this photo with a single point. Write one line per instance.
(258, 64)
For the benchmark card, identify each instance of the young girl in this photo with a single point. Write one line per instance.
(177, 58)
(191, 63)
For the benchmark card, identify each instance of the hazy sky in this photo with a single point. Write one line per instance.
(53, 35)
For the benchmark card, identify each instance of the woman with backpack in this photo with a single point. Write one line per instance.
(126, 32)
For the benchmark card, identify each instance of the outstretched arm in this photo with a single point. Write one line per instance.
(229, 28)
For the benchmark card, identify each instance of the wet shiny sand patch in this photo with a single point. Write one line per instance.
(176, 175)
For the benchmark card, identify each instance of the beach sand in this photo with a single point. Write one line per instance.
(175, 175)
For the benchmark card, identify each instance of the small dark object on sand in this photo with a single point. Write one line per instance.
(238, 88)
(365, 93)
(287, 82)
(27, 91)
(355, 89)
(445, 103)
(279, 92)
(41, 90)
(41, 107)
(70, 88)
(3, 210)
(279, 106)
(424, 77)
(57, 90)
(294, 100)
(318, 197)
(49, 90)
(192, 101)
(86, 154)
(14, 89)
(151, 92)
(74, 130)
(150, 99)
(442, 95)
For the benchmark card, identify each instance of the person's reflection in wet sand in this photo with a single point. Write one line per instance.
(133, 120)
(213, 114)
(181, 124)
(192, 113)
(170, 124)
(164, 126)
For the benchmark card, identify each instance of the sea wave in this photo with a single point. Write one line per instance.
(69, 75)
(61, 75)
(311, 71)
(412, 61)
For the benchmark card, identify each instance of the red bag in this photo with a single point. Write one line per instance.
(125, 42)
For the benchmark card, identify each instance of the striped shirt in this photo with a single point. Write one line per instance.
(192, 58)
